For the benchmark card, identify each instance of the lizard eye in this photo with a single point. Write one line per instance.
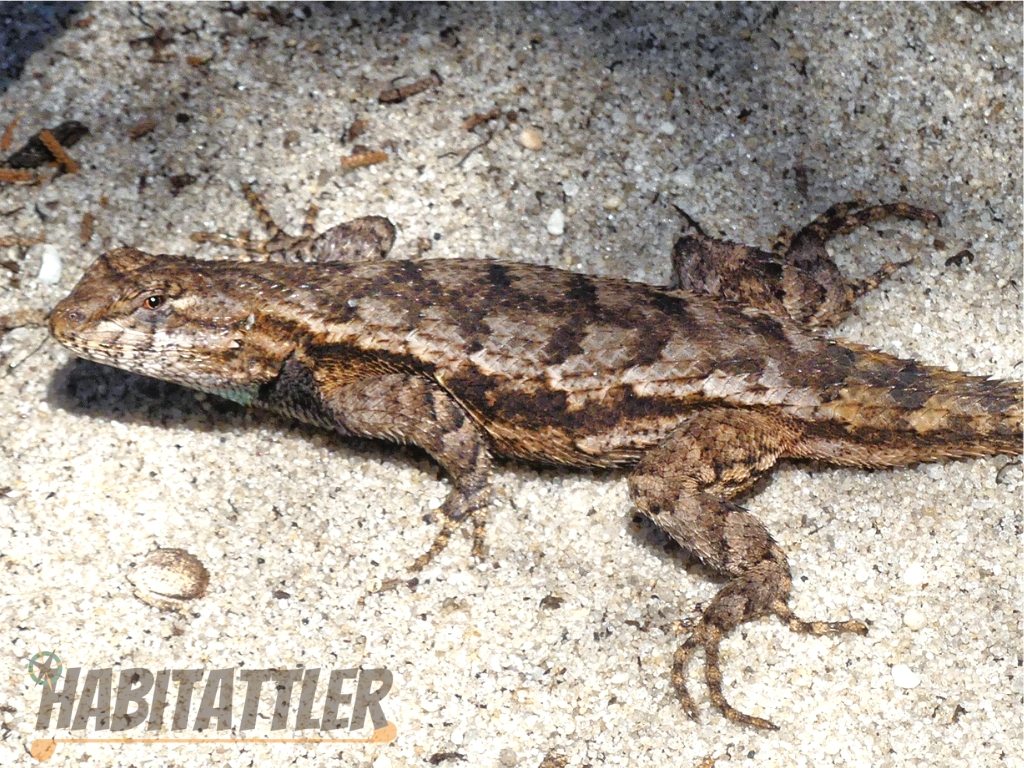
(155, 301)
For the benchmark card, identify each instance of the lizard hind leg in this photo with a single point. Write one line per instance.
(797, 277)
(808, 245)
(277, 240)
(685, 485)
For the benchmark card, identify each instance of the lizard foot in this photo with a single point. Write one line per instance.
(843, 218)
(449, 522)
(437, 546)
(278, 239)
(730, 608)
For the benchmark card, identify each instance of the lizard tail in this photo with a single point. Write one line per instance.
(968, 416)
(894, 412)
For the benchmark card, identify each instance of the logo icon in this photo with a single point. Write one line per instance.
(45, 668)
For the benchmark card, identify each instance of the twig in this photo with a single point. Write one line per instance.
(57, 150)
(398, 95)
(8, 138)
(480, 118)
(12, 366)
(474, 148)
(17, 176)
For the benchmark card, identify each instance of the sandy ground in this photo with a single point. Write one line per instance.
(749, 117)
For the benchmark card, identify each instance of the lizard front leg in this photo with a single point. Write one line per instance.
(797, 278)
(407, 408)
(362, 239)
(686, 486)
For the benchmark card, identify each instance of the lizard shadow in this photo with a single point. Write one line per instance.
(29, 28)
(87, 388)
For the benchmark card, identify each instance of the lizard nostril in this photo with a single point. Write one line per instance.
(68, 318)
(62, 320)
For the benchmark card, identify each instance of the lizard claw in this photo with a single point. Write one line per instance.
(436, 546)
(795, 624)
(680, 661)
(872, 281)
(465, 503)
(443, 536)
(479, 544)
(709, 637)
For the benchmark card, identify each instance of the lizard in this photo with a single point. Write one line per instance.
(698, 387)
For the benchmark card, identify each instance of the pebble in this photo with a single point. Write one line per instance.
(914, 575)
(913, 619)
(683, 179)
(50, 265)
(904, 677)
(556, 223)
(667, 128)
(612, 203)
(531, 138)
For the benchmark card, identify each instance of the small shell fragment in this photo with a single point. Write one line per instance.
(169, 578)
(531, 138)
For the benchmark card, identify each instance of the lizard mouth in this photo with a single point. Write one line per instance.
(71, 325)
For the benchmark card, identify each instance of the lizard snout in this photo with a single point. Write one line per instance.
(65, 318)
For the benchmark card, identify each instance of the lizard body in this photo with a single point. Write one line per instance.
(556, 367)
(700, 386)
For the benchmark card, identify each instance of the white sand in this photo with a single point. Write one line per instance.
(637, 107)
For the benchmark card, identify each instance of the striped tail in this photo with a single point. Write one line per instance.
(894, 412)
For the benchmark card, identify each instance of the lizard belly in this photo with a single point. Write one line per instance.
(537, 423)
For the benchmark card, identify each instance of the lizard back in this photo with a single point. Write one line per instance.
(578, 369)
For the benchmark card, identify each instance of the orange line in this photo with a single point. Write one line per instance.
(239, 740)
(383, 735)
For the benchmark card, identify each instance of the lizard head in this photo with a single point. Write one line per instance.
(169, 317)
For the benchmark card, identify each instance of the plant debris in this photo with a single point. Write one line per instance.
(398, 95)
